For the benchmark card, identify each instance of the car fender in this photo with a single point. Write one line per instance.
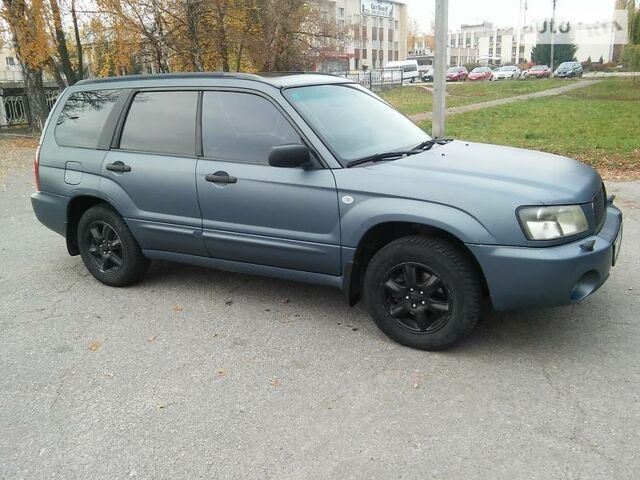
(359, 217)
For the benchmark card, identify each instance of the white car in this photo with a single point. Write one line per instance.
(510, 72)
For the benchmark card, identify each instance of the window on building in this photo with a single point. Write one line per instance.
(340, 12)
(390, 55)
(395, 45)
(242, 127)
(396, 24)
(396, 55)
(364, 53)
(374, 34)
(364, 33)
(356, 53)
(381, 34)
(10, 61)
(374, 56)
(83, 117)
(381, 57)
(161, 122)
(356, 33)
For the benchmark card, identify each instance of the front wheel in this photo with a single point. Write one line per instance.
(423, 292)
(108, 248)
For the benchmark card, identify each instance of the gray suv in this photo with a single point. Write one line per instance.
(313, 178)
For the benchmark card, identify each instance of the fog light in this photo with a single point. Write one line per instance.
(585, 286)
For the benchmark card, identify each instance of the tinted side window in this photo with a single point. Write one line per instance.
(83, 117)
(242, 127)
(161, 122)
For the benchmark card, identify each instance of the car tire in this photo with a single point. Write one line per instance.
(108, 248)
(445, 292)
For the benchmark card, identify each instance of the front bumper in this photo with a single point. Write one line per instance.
(522, 277)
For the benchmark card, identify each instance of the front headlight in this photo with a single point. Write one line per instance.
(550, 223)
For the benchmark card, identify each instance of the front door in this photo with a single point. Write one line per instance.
(253, 212)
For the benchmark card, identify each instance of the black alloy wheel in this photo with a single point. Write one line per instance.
(416, 298)
(105, 247)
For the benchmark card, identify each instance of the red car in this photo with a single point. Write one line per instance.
(538, 71)
(480, 73)
(457, 74)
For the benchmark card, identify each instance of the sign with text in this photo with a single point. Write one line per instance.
(379, 8)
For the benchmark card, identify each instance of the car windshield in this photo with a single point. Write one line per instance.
(539, 67)
(566, 65)
(477, 70)
(454, 70)
(353, 122)
(507, 69)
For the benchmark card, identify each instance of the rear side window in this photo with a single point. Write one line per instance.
(242, 127)
(83, 117)
(161, 122)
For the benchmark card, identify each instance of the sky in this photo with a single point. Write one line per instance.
(504, 13)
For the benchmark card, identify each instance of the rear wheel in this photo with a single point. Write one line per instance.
(108, 248)
(423, 292)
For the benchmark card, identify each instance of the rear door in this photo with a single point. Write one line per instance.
(281, 217)
(150, 174)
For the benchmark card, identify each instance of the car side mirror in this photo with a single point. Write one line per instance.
(289, 156)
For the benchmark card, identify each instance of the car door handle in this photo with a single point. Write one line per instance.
(118, 167)
(220, 177)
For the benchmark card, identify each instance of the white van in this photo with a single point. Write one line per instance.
(409, 69)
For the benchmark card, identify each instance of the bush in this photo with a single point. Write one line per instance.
(471, 66)
(631, 57)
(604, 67)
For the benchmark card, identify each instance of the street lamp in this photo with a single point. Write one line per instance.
(553, 31)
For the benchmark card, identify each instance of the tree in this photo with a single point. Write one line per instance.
(26, 27)
(562, 52)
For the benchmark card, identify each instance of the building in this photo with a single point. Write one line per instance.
(489, 45)
(377, 33)
(421, 48)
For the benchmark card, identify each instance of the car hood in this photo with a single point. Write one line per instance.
(485, 181)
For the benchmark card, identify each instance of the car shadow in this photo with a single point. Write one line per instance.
(497, 333)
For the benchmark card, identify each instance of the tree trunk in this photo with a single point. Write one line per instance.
(76, 32)
(61, 43)
(195, 51)
(38, 110)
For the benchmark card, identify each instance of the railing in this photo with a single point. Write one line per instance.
(10, 76)
(14, 109)
(377, 78)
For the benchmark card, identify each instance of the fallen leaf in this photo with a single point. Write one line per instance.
(94, 345)
(415, 385)
(151, 338)
(177, 308)
(274, 382)
(285, 300)
(221, 372)
(229, 302)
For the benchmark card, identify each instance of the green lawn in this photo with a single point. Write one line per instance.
(417, 99)
(599, 125)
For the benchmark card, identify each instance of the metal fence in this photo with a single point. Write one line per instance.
(376, 79)
(14, 109)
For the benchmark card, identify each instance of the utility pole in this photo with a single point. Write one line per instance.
(553, 32)
(439, 69)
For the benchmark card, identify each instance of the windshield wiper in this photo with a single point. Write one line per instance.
(378, 157)
(428, 144)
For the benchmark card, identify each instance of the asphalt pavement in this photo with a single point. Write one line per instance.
(196, 373)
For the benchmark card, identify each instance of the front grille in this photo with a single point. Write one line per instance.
(600, 208)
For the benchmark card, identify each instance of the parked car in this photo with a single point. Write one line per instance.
(457, 74)
(427, 74)
(314, 178)
(409, 69)
(538, 71)
(569, 70)
(508, 72)
(480, 73)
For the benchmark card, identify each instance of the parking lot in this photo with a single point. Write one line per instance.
(196, 373)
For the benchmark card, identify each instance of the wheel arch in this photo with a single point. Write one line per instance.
(76, 207)
(381, 234)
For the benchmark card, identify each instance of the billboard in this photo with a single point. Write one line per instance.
(379, 8)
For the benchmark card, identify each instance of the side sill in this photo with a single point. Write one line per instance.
(247, 268)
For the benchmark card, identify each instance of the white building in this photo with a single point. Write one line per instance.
(378, 32)
(487, 44)
(10, 71)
